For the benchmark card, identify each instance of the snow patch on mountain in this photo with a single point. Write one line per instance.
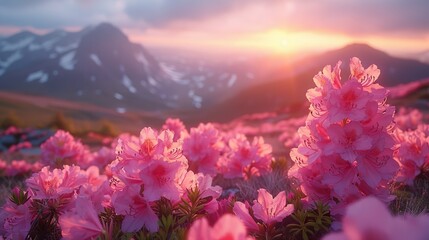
(128, 84)
(47, 45)
(96, 59)
(118, 96)
(173, 74)
(17, 45)
(39, 75)
(67, 61)
(12, 58)
(63, 49)
(196, 100)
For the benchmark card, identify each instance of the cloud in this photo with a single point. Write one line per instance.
(354, 17)
(160, 12)
(51, 14)
(361, 17)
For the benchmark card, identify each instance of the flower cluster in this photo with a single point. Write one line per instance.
(149, 168)
(62, 149)
(245, 159)
(412, 152)
(51, 197)
(346, 146)
(203, 148)
(265, 209)
(210, 151)
(17, 168)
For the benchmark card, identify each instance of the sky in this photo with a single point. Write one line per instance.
(263, 26)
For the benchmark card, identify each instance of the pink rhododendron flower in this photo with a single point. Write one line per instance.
(265, 208)
(56, 183)
(227, 227)
(408, 119)
(241, 210)
(204, 184)
(269, 209)
(136, 209)
(81, 221)
(18, 167)
(412, 153)
(348, 102)
(346, 144)
(202, 148)
(369, 218)
(177, 127)
(347, 140)
(62, 149)
(159, 180)
(19, 146)
(244, 159)
(15, 220)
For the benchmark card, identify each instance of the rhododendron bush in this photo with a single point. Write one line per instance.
(350, 160)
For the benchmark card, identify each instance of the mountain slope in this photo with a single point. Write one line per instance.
(97, 65)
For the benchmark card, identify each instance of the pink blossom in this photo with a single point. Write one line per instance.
(271, 210)
(56, 183)
(18, 167)
(15, 220)
(369, 218)
(339, 174)
(202, 148)
(160, 180)
(348, 102)
(365, 76)
(62, 149)
(244, 159)
(412, 153)
(136, 209)
(81, 221)
(177, 127)
(227, 227)
(347, 140)
(408, 119)
(376, 165)
(242, 211)
(346, 146)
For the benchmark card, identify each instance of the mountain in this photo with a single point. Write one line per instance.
(99, 65)
(292, 81)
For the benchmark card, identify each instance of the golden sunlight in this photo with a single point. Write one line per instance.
(279, 41)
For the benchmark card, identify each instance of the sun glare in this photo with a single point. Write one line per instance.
(280, 41)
